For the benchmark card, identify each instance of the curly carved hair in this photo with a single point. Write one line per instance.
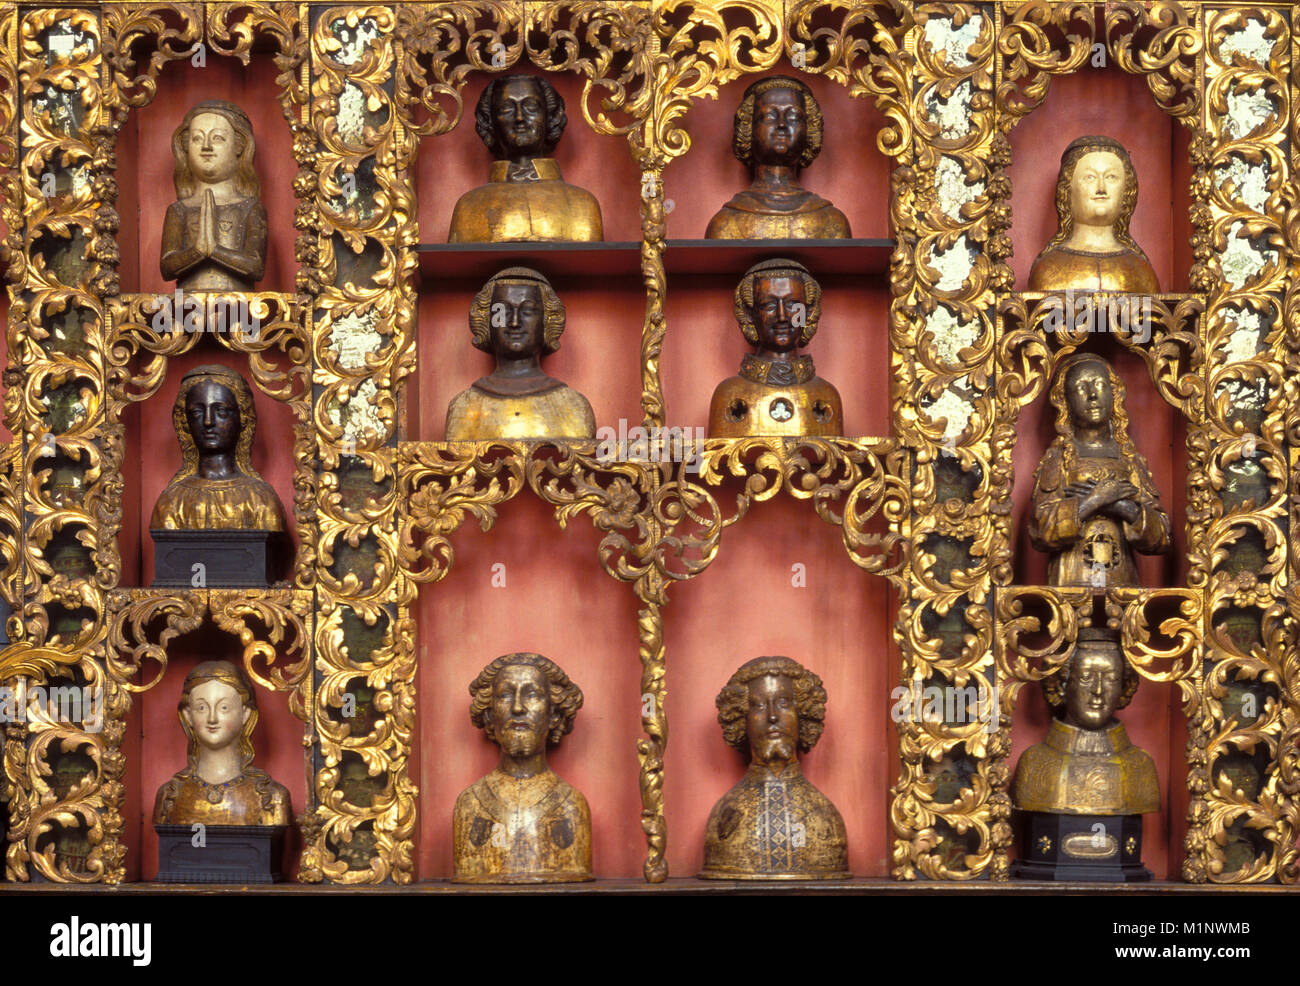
(556, 120)
(744, 297)
(243, 395)
(565, 696)
(1064, 214)
(742, 140)
(1054, 686)
(246, 181)
(809, 699)
(480, 309)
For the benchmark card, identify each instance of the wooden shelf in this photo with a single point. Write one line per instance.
(479, 261)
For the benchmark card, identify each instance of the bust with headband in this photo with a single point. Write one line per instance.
(518, 318)
(777, 391)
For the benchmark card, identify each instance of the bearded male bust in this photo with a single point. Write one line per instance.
(774, 824)
(521, 823)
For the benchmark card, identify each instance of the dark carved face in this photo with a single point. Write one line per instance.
(1088, 394)
(780, 127)
(1093, 690)
(521, 710)
(519, 114)
(780, 312)
(517, 315)
(213, 416)
(773, 722)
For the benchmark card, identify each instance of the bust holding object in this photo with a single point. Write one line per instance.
(521, 118)
(521, 823)
(1094, 502)
(777, 391)
(518, 318)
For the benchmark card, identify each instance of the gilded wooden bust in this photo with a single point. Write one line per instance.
(518, 318)
(521, 823)
(521, 118)
(216, 487)
(774, 825)
(220, 785)
(1086, 764)
(778, 132)
(214, 234)
(777, 391)
(1096, 192)
(1094, 503)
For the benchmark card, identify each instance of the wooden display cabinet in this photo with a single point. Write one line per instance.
(893, 555)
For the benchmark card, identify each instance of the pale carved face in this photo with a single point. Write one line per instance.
(521, 710)
(1089, 395)
(213, 148)
(1093, 690)
(779, 302)
(772, 724)
(1097, 188)
(216, 713)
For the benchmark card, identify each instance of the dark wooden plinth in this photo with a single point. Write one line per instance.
(1081, 849)
(229, 558)
(241, 854)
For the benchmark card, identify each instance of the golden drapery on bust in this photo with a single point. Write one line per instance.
(252, 799)
(539, 207)
(560, 412)
(521, 830)
(1086, 772)
(775, 825)
(216, 487)
(751, 215)
(1060, 269)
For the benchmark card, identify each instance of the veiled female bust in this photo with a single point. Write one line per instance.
(1096, 192)
(521, 823)
(1094, 502)
(774, 825)
(778, 132)
(518, 318)
(777, 391)
(214, 235)
(220, 785)
(1086, 764)
(216, 487)
(521, 118)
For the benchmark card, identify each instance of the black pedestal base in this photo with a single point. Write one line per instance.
(226, 854)
(229, 558)
(1088, 848)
